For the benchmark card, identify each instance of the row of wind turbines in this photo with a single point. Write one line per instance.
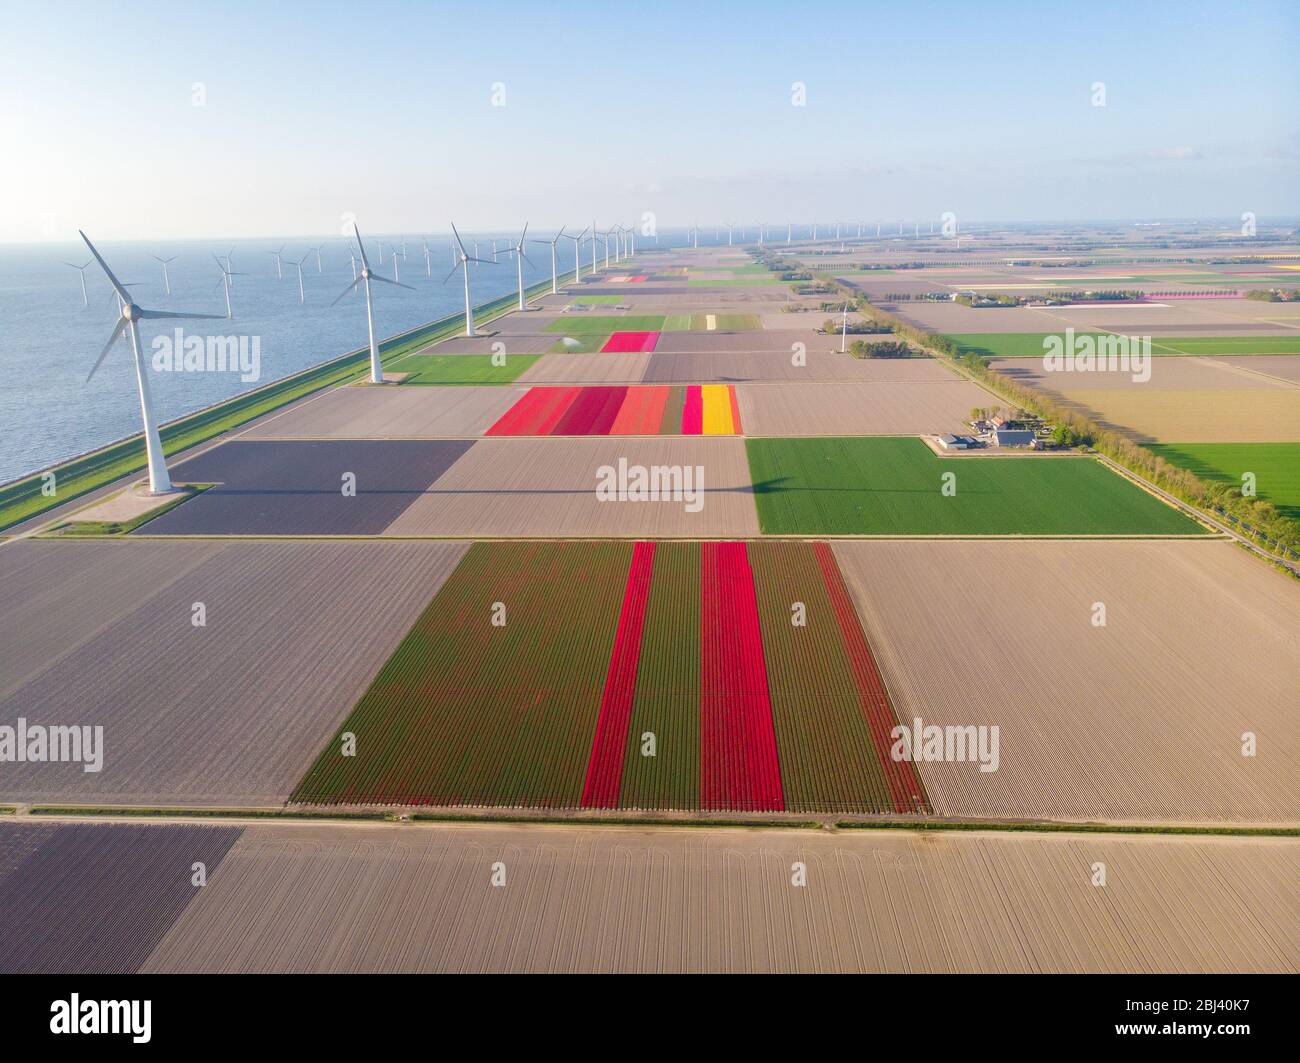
(131, 314)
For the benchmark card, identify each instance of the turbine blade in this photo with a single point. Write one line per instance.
(117, 286)
(483, 261)
(396, 284)
(348, 289)
(453, 272)
(155, 314)
(458, 240)
(118, 330)
(360, 247)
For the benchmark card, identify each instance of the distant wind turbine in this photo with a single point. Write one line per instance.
(319, 267)
(367, 275)
(577, 256)
(520, 259)
(85, 301)
(555, 277)
(129, 324)
(302, 293)
(225, 282)
(463, 265)
(844, 331)
(167, 281)
(279, 263)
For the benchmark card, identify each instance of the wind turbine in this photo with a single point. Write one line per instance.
(279, 264)
(85, 301)
(167, 281)
(844, 331)
(577, 257)
(395, 275)
(225, 282)
(129, 324)
(463, 265)
(319, 268)
(789, 231)
(605, 236)
(302, 294)
(555, 277)
(593, 246)
(730, 233)
(428, 268)
(521, 258)
(367, 275)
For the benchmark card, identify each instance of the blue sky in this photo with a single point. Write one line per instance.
(684, 109)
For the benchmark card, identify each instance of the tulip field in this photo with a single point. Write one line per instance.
(606, 675)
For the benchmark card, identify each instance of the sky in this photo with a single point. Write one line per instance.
(185, 120)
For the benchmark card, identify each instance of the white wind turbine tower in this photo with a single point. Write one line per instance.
(577, 255)
(605, 237)
(302, 293)
(279, 262)
(85, 301)
(520, 259)
(730, 232)
(352, 259)
(555, 277)
(697, 236)
(463, 265)
(129, 324)
(789, 231)
(844, 331)
(225, 282)
(167, 281)
(367, 275)
(396, 276)
(593, 246)
(428, 267)
(319, 267)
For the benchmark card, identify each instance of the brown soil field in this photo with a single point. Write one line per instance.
(96, 898)
(1139, 720)
(547, 486)
(880, 408)
(232, 712)
(1167, 373)
(732, 367)
(747, 342)
(54, 596)
(1282, 366)
(627, 367)
(415, 899)
(1206, 415)
(391, 413)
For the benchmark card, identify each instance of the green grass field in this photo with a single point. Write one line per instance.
(455, 369)
(1004, 344)
(577, 324)
(892, 486)
(726, 322)
(598, 300)
(1030, 344)
(1276, 467)
(677, 323)
(1208, 345)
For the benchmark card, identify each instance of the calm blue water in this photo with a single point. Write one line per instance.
(49, 340)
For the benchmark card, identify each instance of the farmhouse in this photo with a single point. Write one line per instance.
(1013, 437)
(951, 442)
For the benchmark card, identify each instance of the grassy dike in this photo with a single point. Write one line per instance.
(22, 499)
